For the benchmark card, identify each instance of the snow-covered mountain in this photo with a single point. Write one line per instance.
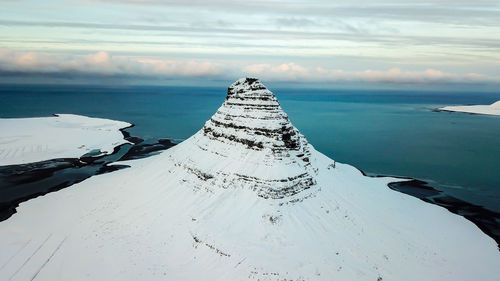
(249, 143)
(245, 198)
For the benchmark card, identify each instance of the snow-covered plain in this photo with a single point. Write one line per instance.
(245, 198)
(26, 140)
(490, 109)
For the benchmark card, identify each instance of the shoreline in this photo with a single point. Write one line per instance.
(22, 182)
(463, 112)
(483, 218)
(452, 111)
(489, 109)
(68, 171)
(29, 140)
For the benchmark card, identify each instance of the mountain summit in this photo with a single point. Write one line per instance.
(252, 115)
(245, 198)
(250, 143)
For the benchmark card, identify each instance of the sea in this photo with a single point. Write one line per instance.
(381, 132)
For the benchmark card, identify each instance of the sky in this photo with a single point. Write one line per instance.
(327, 43)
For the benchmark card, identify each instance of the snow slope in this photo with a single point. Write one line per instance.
(491, 109)
(26, 140)
(245, 198)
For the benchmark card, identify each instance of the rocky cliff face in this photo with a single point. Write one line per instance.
(252, 115)
(252, 133)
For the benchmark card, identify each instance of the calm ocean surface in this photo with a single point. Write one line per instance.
(380, 132)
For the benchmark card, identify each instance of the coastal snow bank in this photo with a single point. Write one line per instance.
(491, 109)
(26, 140)
(245, 198)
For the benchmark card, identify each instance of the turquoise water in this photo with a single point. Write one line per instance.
(380, 132)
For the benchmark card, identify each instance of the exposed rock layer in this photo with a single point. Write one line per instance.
(251, 121)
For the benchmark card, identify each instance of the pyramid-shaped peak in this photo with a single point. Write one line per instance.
(248, 82)
(250, 89)
(252, 115)
(251, 143)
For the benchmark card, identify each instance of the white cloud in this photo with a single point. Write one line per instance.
(293, 72)
(184, 68)
(287, 71)
(104, 64)
(100, 57)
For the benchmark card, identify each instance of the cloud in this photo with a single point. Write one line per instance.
(102, 64)
(451, 35)
(287, 71)
(462, 12)
(347, 33)
(293, 72)
(99, 58)
(293, 21)
(185, 68)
